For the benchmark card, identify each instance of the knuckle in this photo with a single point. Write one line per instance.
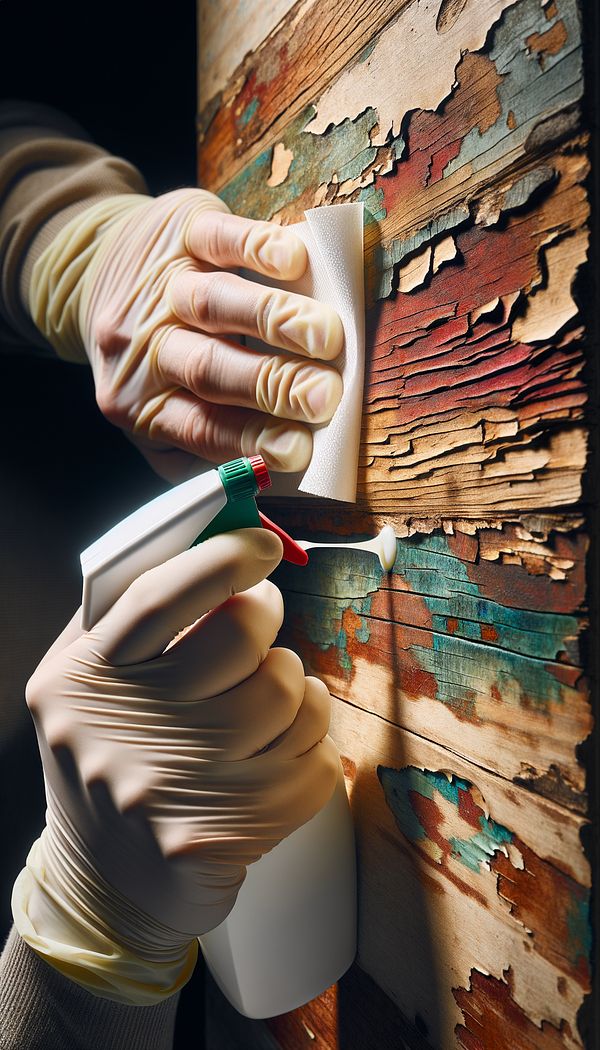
(267, 304)
(108, 335)
(207, 295)
(199, 370)
(285, 679)
(57, 734)
(197, 428)
(215, 234)
(34, 692)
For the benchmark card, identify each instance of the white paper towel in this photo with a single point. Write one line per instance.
(334, 241)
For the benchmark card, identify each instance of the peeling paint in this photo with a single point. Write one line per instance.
(491, 1013)
(405, 790)
(422, 85)
(280, 165)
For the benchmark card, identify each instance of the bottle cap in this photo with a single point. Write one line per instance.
(263, 478)
(243, 478)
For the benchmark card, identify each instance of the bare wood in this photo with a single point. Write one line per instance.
(448, 859)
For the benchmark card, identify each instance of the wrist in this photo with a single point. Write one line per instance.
(58, 911)
(63, 271)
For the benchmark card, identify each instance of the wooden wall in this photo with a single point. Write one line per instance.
(461, 697)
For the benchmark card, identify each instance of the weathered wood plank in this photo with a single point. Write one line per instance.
(458, 124)
(455, 648)
(226, 37)
(457, 874)
(476, 232)
(460, 875)
(278, 79)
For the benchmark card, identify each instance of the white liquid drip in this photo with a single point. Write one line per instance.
(383, 545)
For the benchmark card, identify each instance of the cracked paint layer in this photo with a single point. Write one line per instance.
(422, 85)
(462, 870)
(475, 396)
(460, 675)
(492, 1018)
(460, 638)
(445, 817)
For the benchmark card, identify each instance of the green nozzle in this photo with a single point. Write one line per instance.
(242, 480)
(238, 480)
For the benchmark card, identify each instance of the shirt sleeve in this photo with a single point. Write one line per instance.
(49, 172)
(42, 1010)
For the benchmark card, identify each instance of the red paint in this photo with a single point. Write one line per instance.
(494, 1021)
(537, 891)
(488, 633)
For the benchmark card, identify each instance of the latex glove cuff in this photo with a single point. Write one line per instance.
(53, 914)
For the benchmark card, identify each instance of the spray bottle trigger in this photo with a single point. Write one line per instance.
(292, 552)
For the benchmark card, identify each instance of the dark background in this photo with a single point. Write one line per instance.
(127, 72)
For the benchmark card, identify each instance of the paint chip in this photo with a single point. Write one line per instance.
(553, 305)
(280, 165)
(414, 273)
(444, 252)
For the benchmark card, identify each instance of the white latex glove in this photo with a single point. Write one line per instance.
(168, 767)
(141, 285)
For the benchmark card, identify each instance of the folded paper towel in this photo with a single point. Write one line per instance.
(334, 241)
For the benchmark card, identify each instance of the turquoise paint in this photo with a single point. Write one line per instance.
(431, 570)
(518, 663)
(345, 148)
(248, 113)
(396, 797)
(398, 784)
(325, 630)
(388, 256)
(368, 50)
(579, 928)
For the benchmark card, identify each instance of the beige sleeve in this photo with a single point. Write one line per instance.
(49, 172)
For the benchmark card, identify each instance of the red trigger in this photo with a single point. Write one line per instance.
(291, 550)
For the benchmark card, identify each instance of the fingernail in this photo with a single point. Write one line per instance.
(284, 446)
(304, 325)
(283, 254)
(323, 395)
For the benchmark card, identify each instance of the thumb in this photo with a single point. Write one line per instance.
(161, 602)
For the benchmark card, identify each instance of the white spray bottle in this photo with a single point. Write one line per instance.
(292, 931)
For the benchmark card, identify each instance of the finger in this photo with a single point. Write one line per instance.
(221, 650)
(224, 373)
(231, 241)
(310, 725)
(218, 432)
(220, 302)
(237, 724)
(163, 601)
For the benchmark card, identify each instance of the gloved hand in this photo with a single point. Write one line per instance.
(171, 762)
(142, 285)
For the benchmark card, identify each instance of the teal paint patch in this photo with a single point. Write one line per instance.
(364, 55)
(514, 662)
(396, 796)
(248, 112)
(388, 256)
(478, 848)
(345, 148)
(528, 88)
(399, 785)
(579, 929)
